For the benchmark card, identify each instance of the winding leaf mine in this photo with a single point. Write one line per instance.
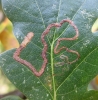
(45, 61)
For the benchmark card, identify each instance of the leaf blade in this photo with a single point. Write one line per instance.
(56, 80)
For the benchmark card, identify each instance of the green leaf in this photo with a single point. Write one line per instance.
(11, 98)
(59, 82)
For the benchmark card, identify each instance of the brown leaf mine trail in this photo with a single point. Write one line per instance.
(28, 38)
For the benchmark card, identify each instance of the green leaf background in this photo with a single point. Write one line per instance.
(59, 82)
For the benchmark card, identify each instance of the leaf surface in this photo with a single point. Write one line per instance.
(59, 81)
(11, 98)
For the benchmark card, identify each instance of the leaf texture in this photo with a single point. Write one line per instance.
(59, 81)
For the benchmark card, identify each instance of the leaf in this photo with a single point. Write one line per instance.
(11, 98)
(7, 37)
(1, 47)
(95, 26)
(59, 82)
